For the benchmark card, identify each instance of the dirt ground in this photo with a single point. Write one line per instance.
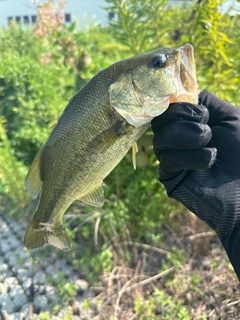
(190, 270)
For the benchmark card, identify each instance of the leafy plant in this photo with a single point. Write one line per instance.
(160, 306)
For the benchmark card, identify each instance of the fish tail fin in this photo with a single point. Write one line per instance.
(45, 234)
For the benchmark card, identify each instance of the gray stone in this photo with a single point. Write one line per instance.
(5, 230)
(11, 281)
(3, 267)
(20, 299)
(27, 284)
(18, 296)
(9, 254)
(40, 303)
(28, 265)
(55, 279)
(6, 274)
(8, 307)
(17, 289)
(17, 227)
(12, 261)
(40, 278)
(41, 289)
(14, 242)
(81, 286)
(50, 269)
(62, 264)
(22, 254)
(3, 288)
(2, 260)
(67, 272)
(14, 316)
(22, 275)
(5, 246)
(25, 311)
(50, 293)
(4, 298)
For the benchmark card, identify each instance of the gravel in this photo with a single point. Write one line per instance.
(29, 283)
(24, 285)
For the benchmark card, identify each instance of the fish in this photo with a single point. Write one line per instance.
(101, 122)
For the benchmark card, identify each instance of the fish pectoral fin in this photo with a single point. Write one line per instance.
(95, 197)
(46, 234)
(33, 180)
(134, 151)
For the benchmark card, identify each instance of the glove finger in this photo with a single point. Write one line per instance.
(181, 111)
(172, 162)
(181, 135)
(219, 110)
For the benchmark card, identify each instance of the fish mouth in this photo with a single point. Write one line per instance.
(185, 79)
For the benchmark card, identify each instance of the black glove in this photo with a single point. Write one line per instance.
(198, 147)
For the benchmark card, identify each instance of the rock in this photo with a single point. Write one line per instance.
(8, 307)
(11, 282)
(20, 299)
(62, 265)
(17, 289)
(50, 269)
(4, 298)
(24, 311)
(3, 267)
(5, 231)
(27, 285)
(5, 246)
(14, 316)
(17, 227)
(54, 279)
(6, 274)
(29, 266)
(40, 278)
(3, 288)
(50, 293)
(14, 242)
(12, 261)
(2, 261)
(18, 296)
(81, 286)
(22, 254)
(22, 275)
(40, 303)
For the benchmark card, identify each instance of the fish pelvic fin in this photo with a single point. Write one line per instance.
(134, 152)
(33, 180)
(46, 234)
(95, 197)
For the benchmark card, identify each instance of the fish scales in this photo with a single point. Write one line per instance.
(97, 128)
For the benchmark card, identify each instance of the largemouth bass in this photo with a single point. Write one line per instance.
(97, 128)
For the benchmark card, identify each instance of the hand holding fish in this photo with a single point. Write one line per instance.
(199, 151)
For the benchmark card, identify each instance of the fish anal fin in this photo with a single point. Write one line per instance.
(95, 197)
(134, 151)
(33, 180)
(46, 234)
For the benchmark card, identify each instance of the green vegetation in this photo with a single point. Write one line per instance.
(41, 68)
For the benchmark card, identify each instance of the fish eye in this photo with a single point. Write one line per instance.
(159, 62)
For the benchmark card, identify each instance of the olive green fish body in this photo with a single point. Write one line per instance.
(96, 142)
(97, 128)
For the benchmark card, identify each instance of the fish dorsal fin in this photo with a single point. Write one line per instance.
(33, 180)
(95, 197)
(134, 151)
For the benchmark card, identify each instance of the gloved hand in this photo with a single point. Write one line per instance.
(198, 147)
